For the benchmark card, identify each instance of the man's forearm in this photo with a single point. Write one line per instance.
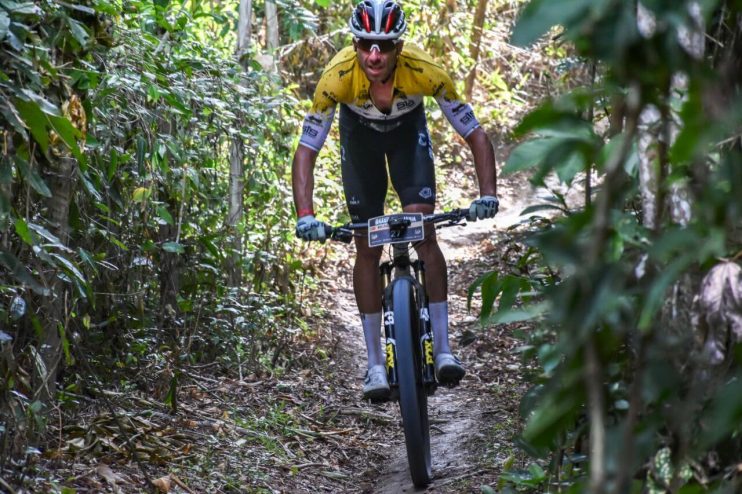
(302, 180)
(484, 162)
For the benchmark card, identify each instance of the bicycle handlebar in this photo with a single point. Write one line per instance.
(344, 233)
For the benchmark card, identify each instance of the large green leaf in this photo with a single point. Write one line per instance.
(35, 120)
(78, 31)
(69, 267)
(21, 8)
(529, 154)
(21, 273)
(49, 236)
(43, 104)
(32, 177)
(539, 16)
(556, 412)
(69, 135)
(21, 228)
(11, 114)
(4, 25)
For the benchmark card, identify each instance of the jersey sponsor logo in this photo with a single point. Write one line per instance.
(426, 193)
(422, 139)
(405, 105)
(309, 131)
(354, 201)
(467, 118)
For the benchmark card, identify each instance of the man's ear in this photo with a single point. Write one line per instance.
(399, 46)
(355, 45)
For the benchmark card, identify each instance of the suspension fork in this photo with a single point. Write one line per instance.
(385, 270)
(426, 334)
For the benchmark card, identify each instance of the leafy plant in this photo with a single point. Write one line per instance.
(622, 380)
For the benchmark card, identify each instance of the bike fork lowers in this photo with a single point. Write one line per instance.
(390, 345)
(424, 334)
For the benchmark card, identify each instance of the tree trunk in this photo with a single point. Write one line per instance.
(244, 31)
(476, 40)
(271, 21)
(61, 178)
(236, 190)
(659, 128)
(236, 158)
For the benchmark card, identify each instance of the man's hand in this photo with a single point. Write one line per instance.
(308, 228)
(484, 207)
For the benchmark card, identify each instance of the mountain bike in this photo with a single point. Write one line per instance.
(409, 341)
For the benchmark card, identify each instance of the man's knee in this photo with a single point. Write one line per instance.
(368, 254)
(428, 248)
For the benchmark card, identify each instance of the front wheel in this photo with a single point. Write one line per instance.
(413, 400)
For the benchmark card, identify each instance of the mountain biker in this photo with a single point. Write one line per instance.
(380, 82)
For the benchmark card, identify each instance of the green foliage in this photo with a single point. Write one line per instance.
(617, 342)
(136, 108)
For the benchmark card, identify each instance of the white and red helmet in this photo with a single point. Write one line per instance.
(378, 19)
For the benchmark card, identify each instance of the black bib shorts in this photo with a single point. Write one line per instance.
(367, 145)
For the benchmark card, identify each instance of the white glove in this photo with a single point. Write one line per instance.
(308, 228)
(484, 207)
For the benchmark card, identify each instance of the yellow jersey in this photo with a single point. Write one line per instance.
(415, 76)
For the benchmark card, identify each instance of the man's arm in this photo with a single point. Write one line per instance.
(302, 179)
(484, 161)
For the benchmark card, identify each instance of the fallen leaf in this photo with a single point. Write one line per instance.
(163, 483)
(105, 471)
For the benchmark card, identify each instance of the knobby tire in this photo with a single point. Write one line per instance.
(413, 400)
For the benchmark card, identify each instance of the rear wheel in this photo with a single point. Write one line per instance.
(413, 400)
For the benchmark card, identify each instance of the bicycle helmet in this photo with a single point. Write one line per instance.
(377, 19)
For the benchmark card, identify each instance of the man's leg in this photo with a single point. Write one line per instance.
(365, 183)
(448, 368)
(367, 288)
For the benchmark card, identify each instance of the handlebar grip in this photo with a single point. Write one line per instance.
(339, 234)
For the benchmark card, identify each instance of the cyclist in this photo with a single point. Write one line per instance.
(379, 83)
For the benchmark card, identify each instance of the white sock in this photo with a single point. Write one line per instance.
(372, 332)
(439, 322)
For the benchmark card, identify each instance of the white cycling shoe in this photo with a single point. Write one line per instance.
(375, 386)
(448, 369)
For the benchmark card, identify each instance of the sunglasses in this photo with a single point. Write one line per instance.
(383, 45)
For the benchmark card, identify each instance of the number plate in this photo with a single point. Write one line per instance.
(379, 232)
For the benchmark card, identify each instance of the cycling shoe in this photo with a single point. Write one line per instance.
(448, 369)
(375, 386)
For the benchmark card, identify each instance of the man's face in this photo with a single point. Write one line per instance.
(377, 58)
